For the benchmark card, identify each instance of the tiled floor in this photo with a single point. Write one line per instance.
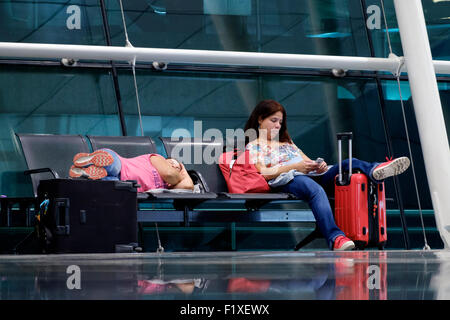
(368, 275)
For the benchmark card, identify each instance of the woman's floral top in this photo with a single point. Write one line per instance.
(270, 156)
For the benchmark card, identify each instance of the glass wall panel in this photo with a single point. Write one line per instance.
(444, 92)
(50, 100)
(437, 18)
(317, 108)
(51, 21)
(334, 27)
(395, 122)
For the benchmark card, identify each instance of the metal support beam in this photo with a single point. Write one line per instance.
(427, 108)
(204, 57)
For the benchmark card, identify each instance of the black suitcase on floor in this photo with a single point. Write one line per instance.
(87, 216)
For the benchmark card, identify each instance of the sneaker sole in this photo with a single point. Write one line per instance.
(349, 245)
(97, 158)
(394, 168)
(91, 172)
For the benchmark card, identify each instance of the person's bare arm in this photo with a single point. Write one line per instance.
(169, 174)
(186, 181)
(304, 156)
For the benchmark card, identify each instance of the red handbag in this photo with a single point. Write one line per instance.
(240, 174)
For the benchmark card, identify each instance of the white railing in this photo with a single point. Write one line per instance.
(205, 57)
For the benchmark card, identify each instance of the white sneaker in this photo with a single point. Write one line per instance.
(391, 168)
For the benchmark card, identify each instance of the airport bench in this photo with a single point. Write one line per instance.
(50, 157)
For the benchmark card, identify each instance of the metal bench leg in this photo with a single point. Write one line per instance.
(141, 234)
(309, 238)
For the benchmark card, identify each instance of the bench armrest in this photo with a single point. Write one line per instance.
(197, 178)
(42, 170)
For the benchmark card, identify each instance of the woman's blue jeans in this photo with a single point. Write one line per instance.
(113, 169)
(306, 188)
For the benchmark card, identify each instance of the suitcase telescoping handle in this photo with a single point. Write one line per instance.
(340, 136)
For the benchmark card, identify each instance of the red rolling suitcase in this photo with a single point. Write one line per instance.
(360, 204)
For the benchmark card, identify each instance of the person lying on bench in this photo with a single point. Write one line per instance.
(151, 171)
(274, 153)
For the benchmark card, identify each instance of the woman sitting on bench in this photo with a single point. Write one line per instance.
(274, 153)
(151, 171)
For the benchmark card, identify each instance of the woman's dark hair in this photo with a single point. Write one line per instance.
(265, 109)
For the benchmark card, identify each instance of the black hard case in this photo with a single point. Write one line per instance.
(87, 216)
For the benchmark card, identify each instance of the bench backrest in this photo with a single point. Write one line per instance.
(201, 157)
(127, 147)
(50, 151)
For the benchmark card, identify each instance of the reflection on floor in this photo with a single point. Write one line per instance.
(366, 275)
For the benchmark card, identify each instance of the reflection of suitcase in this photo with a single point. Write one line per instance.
(86, 216)
(364, 280)
(360, 210)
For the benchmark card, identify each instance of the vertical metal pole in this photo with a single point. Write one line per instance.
(340, 159)
(427, 108)
(387, 133)
(350, 156)
(114, 70)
